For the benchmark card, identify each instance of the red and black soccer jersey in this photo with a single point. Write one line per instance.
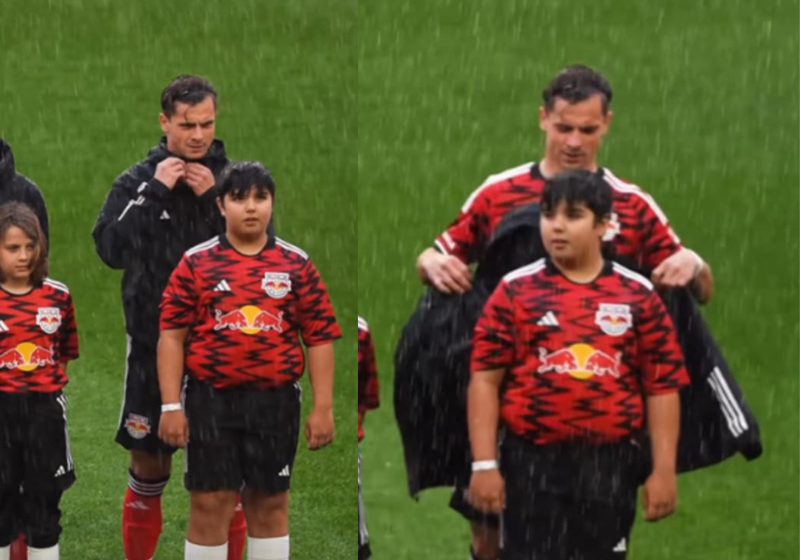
(368, 392)
(247, 313)
(38, 336)
(579, 357)
(638, 228)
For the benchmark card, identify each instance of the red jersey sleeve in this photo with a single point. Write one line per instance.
(469, 233)
(316, 318)
(660, 240)
(368, 393)
(493, 340)
(68, 333)
(180, 298)
(659, 354)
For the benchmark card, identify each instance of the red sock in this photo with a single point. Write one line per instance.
(18, 549)
(141, 525)
(238, 533)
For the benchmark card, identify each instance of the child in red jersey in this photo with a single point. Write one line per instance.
(232, 317)
(38, 337)
(368, 399)
(577, 358)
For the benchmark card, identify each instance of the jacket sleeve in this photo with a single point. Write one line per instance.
(39, 208)
(131, 208)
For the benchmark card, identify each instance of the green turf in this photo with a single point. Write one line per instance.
(706, 103)
(79, 96)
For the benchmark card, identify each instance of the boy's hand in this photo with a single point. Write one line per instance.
(319, 428)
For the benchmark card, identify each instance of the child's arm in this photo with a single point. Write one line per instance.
(173, 427)
(319, 426)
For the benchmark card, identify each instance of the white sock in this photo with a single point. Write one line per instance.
(50, 553)
(268, 549)
(5, 552)
(198, 552)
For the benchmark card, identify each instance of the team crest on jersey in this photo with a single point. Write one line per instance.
(138, 426)
(614, 319)
(613, 229)
(49, 319)
(276, 284)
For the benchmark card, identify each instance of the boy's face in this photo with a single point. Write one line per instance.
(247, 215)
(572, 233)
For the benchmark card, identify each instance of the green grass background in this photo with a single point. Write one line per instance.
(706, 103)
(80, 82)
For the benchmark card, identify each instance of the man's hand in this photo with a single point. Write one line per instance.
(678, 270)
(173, 428)
(444, 272)
(319, 428)
(170, 170)
(487, 491)
(660, 495)
(199, 178)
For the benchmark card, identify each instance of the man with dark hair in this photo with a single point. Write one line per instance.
(574, 117)
(155, 211)
(570, 354)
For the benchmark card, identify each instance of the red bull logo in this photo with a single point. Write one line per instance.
(276, 284)
(48, 319)
(27, 357)
(614, 319)
(249, 320)
(138, 426)
(580, 361)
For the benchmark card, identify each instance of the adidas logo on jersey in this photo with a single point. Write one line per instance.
(3, 327)
(621, 546)
(284, 472)
(164, 215)
(222, 287)
(549, 320)
(61, 471)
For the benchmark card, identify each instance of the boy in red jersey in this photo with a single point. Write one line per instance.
(368, 399)
(570, 355)
(232, 317)
(38, 337)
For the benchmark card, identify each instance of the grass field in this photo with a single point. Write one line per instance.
(706, 103)
(79, 96)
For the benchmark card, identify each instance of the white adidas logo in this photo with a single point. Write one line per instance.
(285, 471)
(165, 215)
(222, 287)
(3, 327)
(549, 320)
(621, 546)
(60, 471)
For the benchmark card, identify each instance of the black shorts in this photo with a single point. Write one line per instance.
(569, 501)
(241, 436)
(141, 402)
(35, 452)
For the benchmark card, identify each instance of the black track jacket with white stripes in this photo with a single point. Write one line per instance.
(432, 372)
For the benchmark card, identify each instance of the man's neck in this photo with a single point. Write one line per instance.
(549, 168)
(580, 271)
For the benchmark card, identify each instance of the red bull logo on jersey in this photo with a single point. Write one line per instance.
(249, 320)
(138, 426)
(48, 319)
(27, 357)
(276, 284)
(580, 361)
(614, 319)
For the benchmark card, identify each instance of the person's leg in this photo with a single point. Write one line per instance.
(41, 517)
(364, 551)
(210, 514)
(267, 524)
(237, 532)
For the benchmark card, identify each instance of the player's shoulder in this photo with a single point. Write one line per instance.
(627, 189)
(52, 285)
(639, 280)
(291, 251)
(497, 181)
(527, 271)
(362, 325)
(203, 250)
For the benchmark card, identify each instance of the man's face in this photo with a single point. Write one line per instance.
(570, 233)
(190, 131)
(573, 133)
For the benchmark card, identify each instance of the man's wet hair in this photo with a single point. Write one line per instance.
(576, 187)
(240, 176)
(187, 89)
(575, 84)
(16, 214)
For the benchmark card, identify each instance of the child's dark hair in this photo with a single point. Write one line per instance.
(240, 176)
(578, 186)
(16, 214)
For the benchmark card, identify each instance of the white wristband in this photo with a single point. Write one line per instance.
(484, 465)
(171, 407)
